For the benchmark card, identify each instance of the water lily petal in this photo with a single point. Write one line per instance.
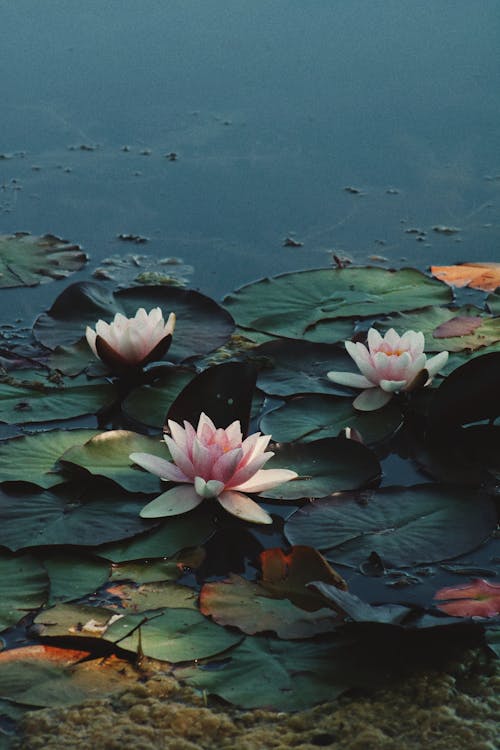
(371, 399)
(180, 457)
(434, 364)
(392, 386)
(159, 466)
(205, 489)
(226, 465)
(247, 470)
(91, 336)
(173, 502)
(350, 379)
(374, 340)
(243, 507)
(266, 479)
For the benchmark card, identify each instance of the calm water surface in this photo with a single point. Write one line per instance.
(273, 110)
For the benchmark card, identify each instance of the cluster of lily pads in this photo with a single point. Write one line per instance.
(136, 519)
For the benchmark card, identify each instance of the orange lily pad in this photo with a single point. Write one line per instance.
(480, 598)
(461, 325)
(485, 276)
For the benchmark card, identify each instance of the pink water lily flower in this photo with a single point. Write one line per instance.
(212, 462)
(131, 342)
(389, 364)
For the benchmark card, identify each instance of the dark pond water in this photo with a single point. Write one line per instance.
(272, 109)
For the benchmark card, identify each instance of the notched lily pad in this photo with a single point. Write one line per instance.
(324, 466)
(308, 418)
(308, 304)
(404, 526)
(27, 260)
(202, 325)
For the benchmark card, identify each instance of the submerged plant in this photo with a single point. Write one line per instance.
(212, 463)
(131, 342)
(388, 364)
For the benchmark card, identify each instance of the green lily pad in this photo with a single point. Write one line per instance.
(292, 367)
(33, 458)
(24, 586)
(154, 595)
(404, 526)
(165, 569)
(26, 260)
(108, 455)
(88, 515)
(174, 635)
(23, 401)
(167, 540)
(149, 404)
(75, 359)
(432, 322)
(202, 325)
(493, 639)
(308, 418)
(74, 575)
(249, 607)
(297, 304)
(493, 303)
(324, 466)
(264, 672)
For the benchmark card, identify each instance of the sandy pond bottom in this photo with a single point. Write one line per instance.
(456, 709)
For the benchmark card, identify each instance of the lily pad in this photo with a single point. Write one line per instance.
(77, 515)
(324, 466)
(73, 575)
(149, 404)
(404, 526)
(267, 673)
(24, 401)
(154, 595)
(493, 303)
(471, 327)
(202, 325)
(26, 260)
(356, 609)
(292, 367)
(108, 455)
(164, 569)
(175, 635)
(249, 607)
(24, 586)
(165, 541)
(33, 458)
(296, 305)
(308, 418)
(48, 676)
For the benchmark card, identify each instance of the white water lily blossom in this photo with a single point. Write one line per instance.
(212, 462)
(388, 364)
(131, 342)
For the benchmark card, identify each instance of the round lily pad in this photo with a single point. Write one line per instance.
(308, 418)
(108, 455)
(27, 260)
(303, 304)
(404, 526)
(149, 404)
(202, 325)
(324, 466)
(24, 585)
(24, 401)
(33, 458)
(290, 367)
(73, 575)
(77, 515)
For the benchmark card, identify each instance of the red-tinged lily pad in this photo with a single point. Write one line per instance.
(26, 260)
(280, 601)
(49, 676)
(249, 607)
(202, 325)
(479, 598)
(461, 325)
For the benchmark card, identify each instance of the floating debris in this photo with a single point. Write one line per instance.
(290, 242)
(392, 191)
(146, 152)
(83, 147)
(132, 238)
(353, 190)
(134, 269)
(172, 156)
(445, 230)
